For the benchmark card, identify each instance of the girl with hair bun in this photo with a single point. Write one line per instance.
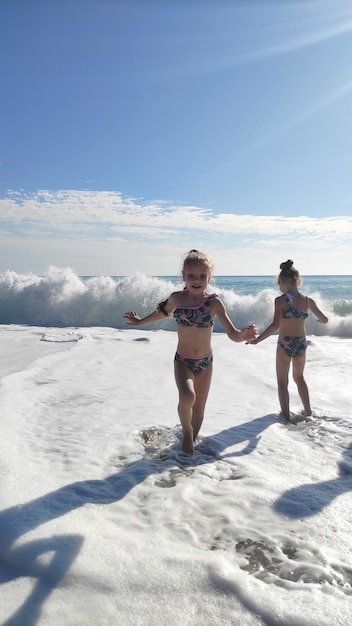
(291, 312)
(194, 311)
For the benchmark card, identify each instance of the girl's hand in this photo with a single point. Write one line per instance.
(249, 333)
(132, 318)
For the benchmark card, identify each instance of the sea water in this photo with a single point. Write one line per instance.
(61, 298)
(104, 521)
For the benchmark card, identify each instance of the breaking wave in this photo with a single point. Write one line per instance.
(60, 298)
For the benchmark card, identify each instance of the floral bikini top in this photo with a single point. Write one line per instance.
(199, 316)
(291, 313)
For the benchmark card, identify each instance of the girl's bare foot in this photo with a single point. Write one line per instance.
(187, 443)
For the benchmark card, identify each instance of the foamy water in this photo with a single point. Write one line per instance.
(61, 298)
(104, 521)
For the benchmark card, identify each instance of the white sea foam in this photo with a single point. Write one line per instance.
(61, 298)
(104, 521)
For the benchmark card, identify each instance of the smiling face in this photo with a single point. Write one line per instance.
(196, 277)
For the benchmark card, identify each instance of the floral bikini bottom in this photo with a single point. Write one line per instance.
(195, 365)
(293, 346)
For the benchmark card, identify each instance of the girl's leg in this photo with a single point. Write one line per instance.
(298, 363)
(282, 368)
(201, 386)
(185, 384)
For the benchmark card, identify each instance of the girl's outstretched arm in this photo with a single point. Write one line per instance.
(319, 314)
(248, 333)
(134, 319)
(163, 310)
(275, 324)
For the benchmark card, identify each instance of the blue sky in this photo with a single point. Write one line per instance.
(132, 131)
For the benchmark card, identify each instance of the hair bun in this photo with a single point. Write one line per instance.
(286, 265)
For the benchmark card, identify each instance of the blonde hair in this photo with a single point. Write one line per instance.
(289, 272)
(194, 257)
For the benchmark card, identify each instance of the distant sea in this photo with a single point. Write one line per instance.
(329, 287)
(61, 298)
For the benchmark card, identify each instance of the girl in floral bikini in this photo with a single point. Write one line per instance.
(194, 311)
(291, 312)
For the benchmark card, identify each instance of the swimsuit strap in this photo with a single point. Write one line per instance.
(291, 312)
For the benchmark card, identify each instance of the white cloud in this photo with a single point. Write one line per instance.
(78, 210)
(105, 233)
